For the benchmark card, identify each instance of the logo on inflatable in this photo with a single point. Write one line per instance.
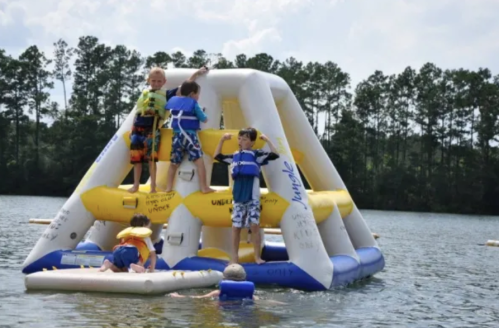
(295, 183)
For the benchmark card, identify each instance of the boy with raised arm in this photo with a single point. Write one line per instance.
(145, 134)
(245, 170)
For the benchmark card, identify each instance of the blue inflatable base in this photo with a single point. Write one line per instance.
(276, 271)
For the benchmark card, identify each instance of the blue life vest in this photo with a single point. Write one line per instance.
(236, 290)
(244, 164)
(183, 114)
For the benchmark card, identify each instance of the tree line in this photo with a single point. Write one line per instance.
(424, 139)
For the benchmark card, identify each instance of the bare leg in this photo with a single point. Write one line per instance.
(152, 170)
(172, 169)
(137, 268)
(236, 237)
(108, 265)
(257, 239)
(137, 171)
(205, 189)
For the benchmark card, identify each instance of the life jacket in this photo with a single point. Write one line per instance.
(150, 105)
(183, 114)
(236, 290)
(244, 164)
(134, 236)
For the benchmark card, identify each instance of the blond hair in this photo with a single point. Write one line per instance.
(234, 272)
(155, 70)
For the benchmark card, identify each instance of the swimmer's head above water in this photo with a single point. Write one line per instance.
(234, 272)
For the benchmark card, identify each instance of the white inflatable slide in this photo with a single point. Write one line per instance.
(326, 241)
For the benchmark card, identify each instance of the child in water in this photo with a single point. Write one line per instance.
(186, 117)
(234, 272)
(133, 252)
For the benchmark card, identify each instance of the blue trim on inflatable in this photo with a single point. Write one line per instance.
(346, 270)
(371, 261)
(273, 251)
(371, 258)
(87, 246)
(284, 274)
(73, 259)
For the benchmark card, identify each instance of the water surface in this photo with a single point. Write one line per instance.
(436, 275)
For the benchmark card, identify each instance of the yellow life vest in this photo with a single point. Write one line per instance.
(141, 232)
(134, 236)
(152, 103)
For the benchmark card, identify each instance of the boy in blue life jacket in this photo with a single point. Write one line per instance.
(233, 272)
(186, 117)
(145, 134)
(245, 170)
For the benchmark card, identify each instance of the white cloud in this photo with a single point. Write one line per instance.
(252, 44)
(360, 35)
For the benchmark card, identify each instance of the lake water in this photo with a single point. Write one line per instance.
(436, 275)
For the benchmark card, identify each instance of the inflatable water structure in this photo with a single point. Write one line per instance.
(326, 240)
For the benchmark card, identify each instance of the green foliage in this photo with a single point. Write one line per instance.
(422, 140)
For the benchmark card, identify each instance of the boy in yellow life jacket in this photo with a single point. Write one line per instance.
(134, 249)
(148, 119)
(145, 133)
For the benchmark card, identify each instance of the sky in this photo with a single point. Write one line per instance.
(361, 36)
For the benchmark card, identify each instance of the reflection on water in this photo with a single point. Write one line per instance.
(436, 275)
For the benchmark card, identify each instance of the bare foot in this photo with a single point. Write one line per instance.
(207, 190)
(168, 190)
(133, 189)
(105, 266)
(137, 268)
(153, 191)
(259, 260)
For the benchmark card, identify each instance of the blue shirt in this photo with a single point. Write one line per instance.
(170, 93)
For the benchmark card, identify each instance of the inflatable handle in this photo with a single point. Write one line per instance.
(236, 290)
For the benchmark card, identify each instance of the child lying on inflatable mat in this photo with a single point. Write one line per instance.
(134, 248)
(233, 286)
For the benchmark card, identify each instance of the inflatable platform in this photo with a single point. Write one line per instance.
(326, 240)
(91, 280)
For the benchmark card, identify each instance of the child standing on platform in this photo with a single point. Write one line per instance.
(245, 170)
(145, 135)
(186, 117)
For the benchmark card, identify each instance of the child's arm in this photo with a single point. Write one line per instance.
(153, 257)
(197, 74)
(226, 136)
(200, 114)
(213, 293)
(152, 254)
(263, 157)
(271, 145)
